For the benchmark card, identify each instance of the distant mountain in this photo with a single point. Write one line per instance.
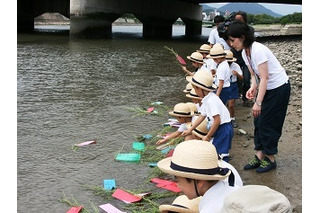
(250, 8)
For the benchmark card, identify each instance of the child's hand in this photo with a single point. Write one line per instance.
(186, 132)
(206, 138)
(161, 141)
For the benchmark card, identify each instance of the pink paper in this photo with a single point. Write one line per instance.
(86, 143)
(110, 208)
(75, 209)
(180, 59)
(125, 196)
(166, 184)
(150, 109)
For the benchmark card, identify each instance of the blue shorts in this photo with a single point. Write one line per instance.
(234, 93)
(225, 95)
(222, 138)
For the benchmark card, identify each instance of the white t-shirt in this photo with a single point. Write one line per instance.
(211, 65)
(237, 68)
(237, 178)
(183, 127)
(204, 67)
(223, 73)
(260, 54)
(211, 106)
(212, 200)
(214, 38)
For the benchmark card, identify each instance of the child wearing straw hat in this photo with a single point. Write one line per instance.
(215, 111)
(197, 62)
(210, 64)
(236, 73)
(198, 172)
(182, 205)
(198, 133)
(184, 113)
(223, 72)
(195, 98)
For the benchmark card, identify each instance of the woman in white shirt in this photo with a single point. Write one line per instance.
(270, 88)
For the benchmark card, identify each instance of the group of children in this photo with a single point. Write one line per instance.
(200, 163)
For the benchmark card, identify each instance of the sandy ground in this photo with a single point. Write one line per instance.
(287, 178)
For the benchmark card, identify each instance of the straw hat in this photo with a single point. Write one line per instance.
(217, 51)
(182, 204)
(196, 57)
(181, 110)
(195, 159)
(256, 199)
(202, 79)
(205, 48)
(229, 56)
(193, 107)
(201, 130)
(188, 88)
(193, 95)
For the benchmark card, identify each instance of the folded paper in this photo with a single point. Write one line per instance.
(110, 208)
(109, 184)
(125, 196)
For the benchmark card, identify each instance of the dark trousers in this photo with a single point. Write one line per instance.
(245, 81)
(268, 126)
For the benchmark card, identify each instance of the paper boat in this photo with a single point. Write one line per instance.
(125, 196)
(110, 208)
(109, 184)
(139, 146)
(128, 157)
(74, 209)
(86, 143)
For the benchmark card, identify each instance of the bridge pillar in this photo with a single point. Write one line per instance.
(156, 27)
(25, 17)
(193, 27)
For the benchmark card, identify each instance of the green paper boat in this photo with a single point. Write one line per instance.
(139, 146)
(128, 157)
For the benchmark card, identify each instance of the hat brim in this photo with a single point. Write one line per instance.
(193, 97)
(204, 51)
(232, 60)
(166, 208)
(219, 56)
(164, 165)
(186, 91)
(191, 59)
(214, 87)
(180, 115)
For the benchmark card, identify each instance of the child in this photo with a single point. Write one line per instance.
(198, 133)
(195, 165)
(195, 99)
(184, 114)
(223, 72)
(197, 62)
(188, 88)
(210, 64)
(213, 109)
(182, 205)
(236, 73)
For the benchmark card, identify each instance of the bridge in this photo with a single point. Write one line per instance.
(94, 18)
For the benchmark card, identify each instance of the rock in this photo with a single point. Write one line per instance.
(241, 132)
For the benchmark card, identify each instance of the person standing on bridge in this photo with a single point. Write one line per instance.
(270, 89)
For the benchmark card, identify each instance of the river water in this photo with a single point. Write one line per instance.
(71, 91)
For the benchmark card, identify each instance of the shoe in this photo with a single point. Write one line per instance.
(266, 165)
(253, 164)
(234, 124)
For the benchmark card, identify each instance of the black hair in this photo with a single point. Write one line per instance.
(218, 19)
(237, 29)
(243, 14)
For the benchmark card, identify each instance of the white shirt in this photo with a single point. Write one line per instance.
(235, 67)
(182, 127)
(211, 65)
(214, 38)
(212, 200)
(223, 73)
(204, 67)
(260, 54)
(211, 106)
(237, 178)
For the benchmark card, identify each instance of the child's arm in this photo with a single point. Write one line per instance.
(186, 71)
(213, 129)
(171, 136)
(220, 86)
(234, 72)
(194, 125)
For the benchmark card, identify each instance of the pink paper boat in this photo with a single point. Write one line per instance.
(166, 184)
(75, 209)
(125, 196)
(110, 208)
(86, 143)
(150, 109)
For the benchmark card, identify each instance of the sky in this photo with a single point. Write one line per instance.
(282, 9)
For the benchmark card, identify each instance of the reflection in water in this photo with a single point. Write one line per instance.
(72, 91)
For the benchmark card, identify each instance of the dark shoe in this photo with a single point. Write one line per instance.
(253, 164)
(266, 165)
(234, 124)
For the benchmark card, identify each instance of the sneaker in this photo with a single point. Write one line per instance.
(234, 124)
(253, 164)
(266, 165)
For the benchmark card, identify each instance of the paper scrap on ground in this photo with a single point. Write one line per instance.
(109, 184)
(147, 136)
(125, 196)
(75, 209)
(128, 157)
(157, 103)
(110, 208)
(166, 184)
(86, 143)
(150, 109)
